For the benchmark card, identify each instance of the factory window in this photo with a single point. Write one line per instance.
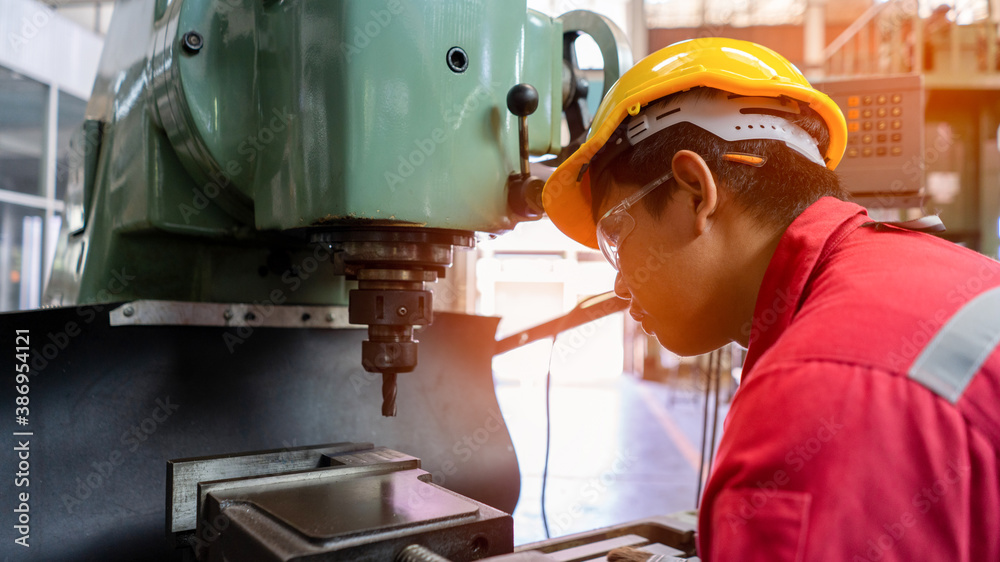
(36, 119)
(534, 274)
(20, 256)
(22, 132)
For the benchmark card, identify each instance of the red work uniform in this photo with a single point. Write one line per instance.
(867, 424)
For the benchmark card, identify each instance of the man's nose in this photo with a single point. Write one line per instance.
(621, 289)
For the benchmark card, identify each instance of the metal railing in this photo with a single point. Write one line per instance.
(885, 39)
(891, 38)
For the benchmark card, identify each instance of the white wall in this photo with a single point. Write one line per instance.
(94, 15)
(40, 43)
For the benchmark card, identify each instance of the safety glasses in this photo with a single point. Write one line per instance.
(617, 223)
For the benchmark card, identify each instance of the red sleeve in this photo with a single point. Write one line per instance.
(826, 461)
(768, 516)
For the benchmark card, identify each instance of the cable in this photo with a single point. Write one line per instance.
(717, 374)
(559, 327)
(714, 374)
(548, 434)
(704, 433)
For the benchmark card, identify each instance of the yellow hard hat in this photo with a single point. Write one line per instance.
(731, 65)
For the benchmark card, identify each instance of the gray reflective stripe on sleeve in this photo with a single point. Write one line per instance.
(959, 349)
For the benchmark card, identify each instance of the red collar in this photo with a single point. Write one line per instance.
(801, 250)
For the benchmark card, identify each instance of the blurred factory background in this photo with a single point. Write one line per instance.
(627, 415)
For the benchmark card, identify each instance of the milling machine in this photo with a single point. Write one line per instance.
(256, 182)
(272, 152)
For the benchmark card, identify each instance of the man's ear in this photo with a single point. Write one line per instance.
(695, 180)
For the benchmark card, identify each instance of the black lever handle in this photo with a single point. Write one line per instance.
(522, 101)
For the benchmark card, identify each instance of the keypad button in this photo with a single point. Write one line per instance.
(896, 151)
(897, 98)
(867, 100)
(882, 112)
(896, 111)
(881, 99)
(852, 152)
(867, 114)
(880, 151)
(852, 127)
(897, 124)
(880, 138)
(881, 125)
(867, 139)
(852, 114)
(866, 151)
(897, 137)
(866, 125)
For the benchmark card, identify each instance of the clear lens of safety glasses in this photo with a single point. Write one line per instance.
(617, 223)
(611, 231)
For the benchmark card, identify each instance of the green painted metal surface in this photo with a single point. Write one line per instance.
(216, 159)
(386, 130)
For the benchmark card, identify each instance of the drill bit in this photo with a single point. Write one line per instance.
(388, 394)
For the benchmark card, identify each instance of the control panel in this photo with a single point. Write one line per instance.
(883, 164)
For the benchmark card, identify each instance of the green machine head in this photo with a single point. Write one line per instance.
(248, 151)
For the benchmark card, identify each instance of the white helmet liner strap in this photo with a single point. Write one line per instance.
(729, 118)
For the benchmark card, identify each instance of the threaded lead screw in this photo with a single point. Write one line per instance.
(418, 553)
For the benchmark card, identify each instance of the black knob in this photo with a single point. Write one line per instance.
(522, 100)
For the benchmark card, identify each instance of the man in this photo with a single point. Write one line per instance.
(867, 424)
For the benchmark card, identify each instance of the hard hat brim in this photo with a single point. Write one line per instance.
(567, 195)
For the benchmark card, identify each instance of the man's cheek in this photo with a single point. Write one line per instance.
(644, 264)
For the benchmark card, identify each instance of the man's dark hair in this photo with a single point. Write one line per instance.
(774, 193)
